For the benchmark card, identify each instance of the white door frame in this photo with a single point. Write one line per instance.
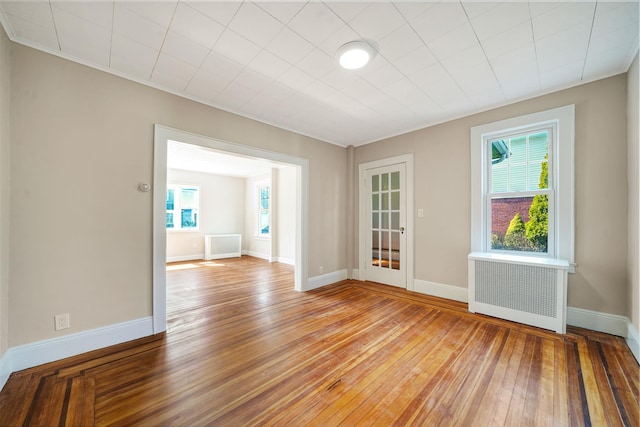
(162, 135)
(364, 257)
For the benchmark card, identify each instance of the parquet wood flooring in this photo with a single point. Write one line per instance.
(243, 348)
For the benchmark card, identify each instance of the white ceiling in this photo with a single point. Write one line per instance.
(201, 159)
(275, 61)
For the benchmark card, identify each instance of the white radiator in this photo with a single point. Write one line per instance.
(521, 289)
(217, 246)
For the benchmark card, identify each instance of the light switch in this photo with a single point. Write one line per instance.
(420, 213)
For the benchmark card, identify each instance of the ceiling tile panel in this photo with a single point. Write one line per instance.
(172, 72)
(377, 21)
(269, 65)
(35, 34)
(220, 11)
(561, 75)
(282, 11)
(184, 49)
(316, 23)
(82, 39)
(36, 12)
(561, 18)
(412, 9)
(236, 47)
(317, 63)
(500, 19)
(347, 10)
(415, 61)
(159, 12)
(512, 39)
(453, 42)
(221, 66)
(399, 43)
(196, 26)
(235, 96)
(475, 10)
(439, 20)
(608, 62)
(129, 24)
(130, 57)
(296, 79)
(255, 24)
(289, 46)
(99, 13)
(206, 86)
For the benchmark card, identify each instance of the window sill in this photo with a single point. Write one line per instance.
(261, 237)
(561, 264)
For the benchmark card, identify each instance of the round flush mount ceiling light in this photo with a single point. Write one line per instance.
(354, 55)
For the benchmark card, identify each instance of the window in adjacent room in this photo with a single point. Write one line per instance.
(264, 201)
(522, 185)
(182, 207)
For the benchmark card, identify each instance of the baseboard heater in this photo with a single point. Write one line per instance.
(527, 290)
(217, 246)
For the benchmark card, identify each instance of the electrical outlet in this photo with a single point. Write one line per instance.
(62, 321)
(321, 269)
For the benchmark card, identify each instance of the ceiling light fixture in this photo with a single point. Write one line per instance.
(354, 55)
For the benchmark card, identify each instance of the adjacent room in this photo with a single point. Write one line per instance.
(319, 212)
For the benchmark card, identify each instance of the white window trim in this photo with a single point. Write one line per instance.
(562, 152)
(177, 197)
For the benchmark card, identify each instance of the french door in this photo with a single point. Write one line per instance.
(386, 218)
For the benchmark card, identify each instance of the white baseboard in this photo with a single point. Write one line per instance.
(633, 340)
(326, 279)
(283, 260)
(256, 254)
(41, 352)
(597, 321)
(455, 293)
(355, 274)
(194, 257)
(5, 369)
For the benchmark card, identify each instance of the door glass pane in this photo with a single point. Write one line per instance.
(395, 200)
(384, 249)
(395, 250)
(385, 220)
(375, 248)
(385, 181)
(375, 183)
(385, 202)
(395, 221)
(395, 180)
(375, 202)
(374, 220)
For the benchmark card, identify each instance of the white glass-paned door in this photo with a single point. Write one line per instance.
(387, 218)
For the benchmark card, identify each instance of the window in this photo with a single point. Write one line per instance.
(182, 207)
(263, 209)
(518, 191)
(522, 185)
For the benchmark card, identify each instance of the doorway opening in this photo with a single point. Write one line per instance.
(162, 139)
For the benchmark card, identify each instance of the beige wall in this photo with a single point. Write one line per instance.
(82, 140)
(5, 96)
(442, 189)
(633, 162)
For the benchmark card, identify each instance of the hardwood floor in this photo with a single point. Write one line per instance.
(243, 348)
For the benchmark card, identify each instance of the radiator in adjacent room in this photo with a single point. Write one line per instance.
(217, 246)
(527, 290)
